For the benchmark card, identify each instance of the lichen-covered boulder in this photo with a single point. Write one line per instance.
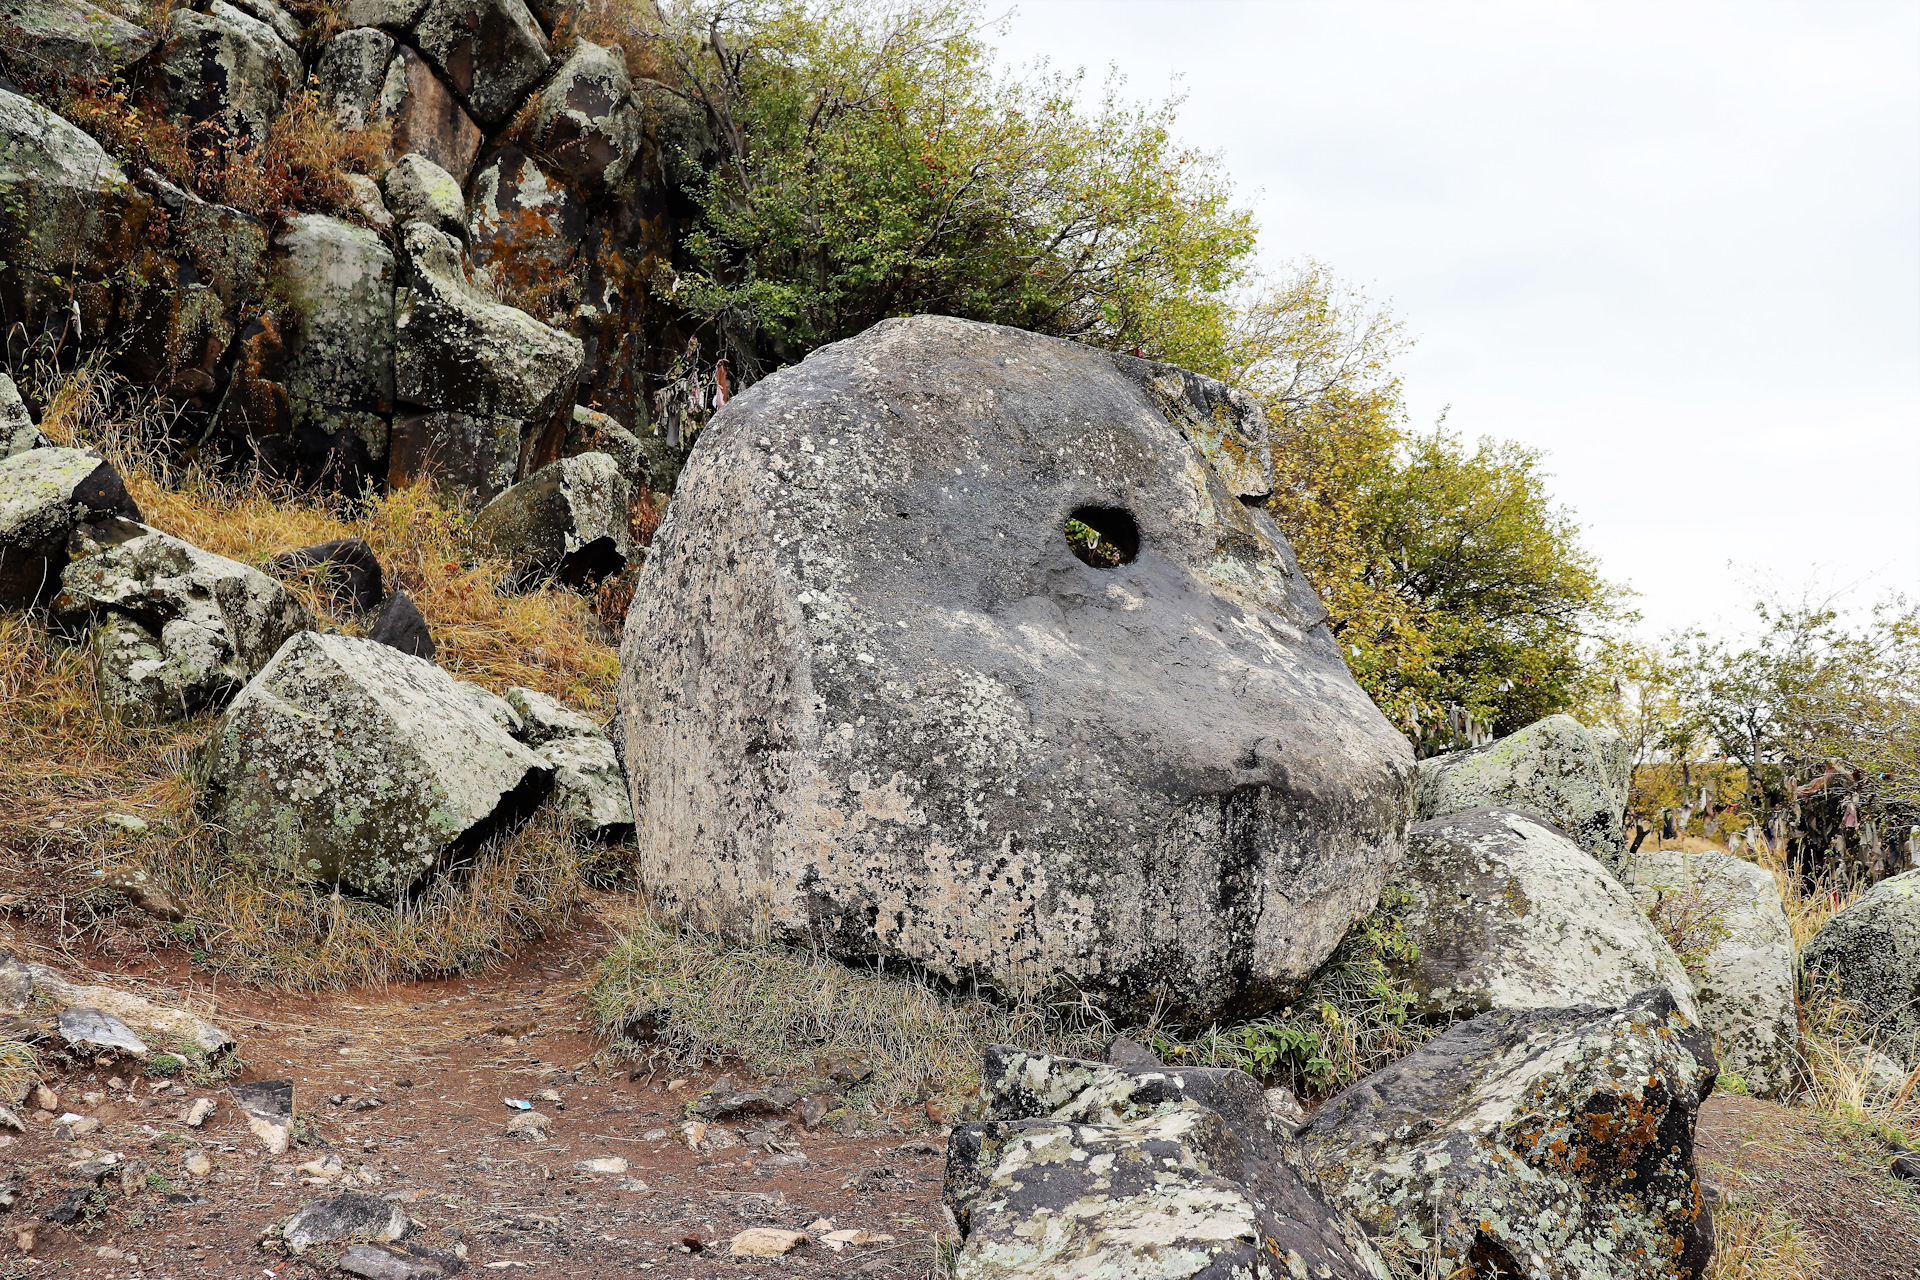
(425, 116)
(418, 190)
(346, 760)
(177, 630)
(70, 218)
(225, 66)
(522, 223)
(490, 51)
(17, 432)
(53, 41)
(1744, 980)
(477, 456)
(589, 787)
(872, 696)
(595, 432)
(1505, 912)
(336, 286)
(45, 494)
(585, 119)
(545, 719)
(569, 520)
(1555, 769)
(1083, 1168)
(457, 349)
(1870, 954)
(283, 23)
(351, 72)
(1549, 1143)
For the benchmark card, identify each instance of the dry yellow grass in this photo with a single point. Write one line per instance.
(1757, 1240)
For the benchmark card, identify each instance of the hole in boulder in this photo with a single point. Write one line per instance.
(1104, 537)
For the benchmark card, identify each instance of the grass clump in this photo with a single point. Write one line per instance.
(19, 1069)
(1756, 1239)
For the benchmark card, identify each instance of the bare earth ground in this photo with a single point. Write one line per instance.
(1834, 1180)
(434, 1055)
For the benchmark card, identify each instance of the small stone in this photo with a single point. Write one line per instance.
(198, 1112)
(349, 1215)
(1129, 1053)
(140, 889)
(125, 822)
(8, 1120)
(605, 1164)
(72, 1126)
(198, 1165)
(45, 1098)
(766, 1242)
(548, 1095)
(838, 1240)
(529, 1124)
(814, 1109)
(1284, 1108)
(653, 1135)
(268, 1105)
(695, 1133)
(849, 1071)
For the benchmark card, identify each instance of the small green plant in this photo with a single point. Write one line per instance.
(165, 1065)
(1728, 1082)
(157, 1183)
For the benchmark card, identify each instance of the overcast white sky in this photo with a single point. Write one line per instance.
(1675, 245)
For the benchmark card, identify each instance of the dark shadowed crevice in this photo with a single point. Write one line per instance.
(1104, 537)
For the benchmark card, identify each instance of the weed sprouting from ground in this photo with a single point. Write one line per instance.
(1754, 1239)
(19, 1069)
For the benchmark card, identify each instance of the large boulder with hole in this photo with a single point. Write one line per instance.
(176, 630)
(71, 220)
(585, 118)
(1505, 912)
(568, 521)
(425, 116)
(491, 52)
(225, 67)
(50, 42)
(1555, 769)
(1870, 954)
(1550, 1143)
(1083, 1168)
(45, 495)
(871, 695)
(1736, 939)
(347, 761)
(457, 349)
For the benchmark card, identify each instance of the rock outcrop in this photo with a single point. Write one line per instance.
(569, 521)
(59, 40)
(346, 760)
(585, 117)
(1870, 954)
(17, 432)
(45, 495)
(176, 630)
(227, 67)
(1083, 1168)
(1549, 1143)
(1505, 912)
(872, 697)
(1745, 980)
(418, 190)
(1555, 769)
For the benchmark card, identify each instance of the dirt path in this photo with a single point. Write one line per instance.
(1833, 1179)
(440, 1057)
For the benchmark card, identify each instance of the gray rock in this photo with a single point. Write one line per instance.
(1745, 981)
(522, 223)
(367, 200)
(1106, 1171)
(352, 1215)
(227, 66)
(568, 520)
(459, 350)
(1870, 954)
(70, 218)
(589, 787)
(1507, 913)
(1550, 1143)
(348, 760)
(594, 432)
(871, 697)
(336, 284)
(400, 626)
(345, 569)
(544, 719)
(377, 1264)
(425, 116)
(1224, 423)
(274, 16)
(17, 432)
(476, 456)
(181, 629)
(1128, 1053)
(92, 1030)
(19, 981)
(1554, 769)
(61, 39)
(395, 14)
(490, 51)
(586, 122)
(45, 494)
(418, 190)
(351, 72)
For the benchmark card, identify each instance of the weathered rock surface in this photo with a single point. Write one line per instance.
(594, 432)
(56, 40)
(425, 116)
(346, 760)
(478, 456)
(1089, 1169)
(345, 569)
(418, 190)
(545, 719)
(17, 432)
(1870, 954)
(1555, 769)
(1745, 985)
(351, 1215)
(351, 72)
(20, 981)
(459, 350)
(585, 120)
(568, 520)
(1507, 913)
(180, 630)
(227, 66)
(871, 697)
(45, 494)
(1550, 1143)
(490, 51)
(400, 626)
(589, 787)
(522, 223)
